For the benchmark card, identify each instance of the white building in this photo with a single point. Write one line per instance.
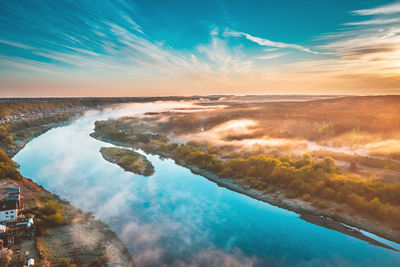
(9, 210)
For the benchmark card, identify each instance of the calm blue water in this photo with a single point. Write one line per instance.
(178, 218)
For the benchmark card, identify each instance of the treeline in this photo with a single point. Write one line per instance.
(22, 129)
(51, 110)
(116, 132)
(6, 137)
(16, 106)
(8, 168)
(12, 106)
(355, 160)
(23, 124)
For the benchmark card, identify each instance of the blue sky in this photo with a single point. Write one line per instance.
(76, 48)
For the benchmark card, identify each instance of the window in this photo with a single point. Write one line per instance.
(12, 216)
(6, 212)
(12, 211)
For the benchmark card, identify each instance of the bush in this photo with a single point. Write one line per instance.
(328, 164)
(319, 204)
(357, 202)
(52, 214)
(8, 168)
(328, 193)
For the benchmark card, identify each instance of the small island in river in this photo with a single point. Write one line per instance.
(128, 160)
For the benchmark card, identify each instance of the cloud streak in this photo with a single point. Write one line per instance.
(15, 44)
(387, 9)
(271, 56)
(266, 42)
(374, 22)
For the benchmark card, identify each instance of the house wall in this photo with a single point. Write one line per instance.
(8, 215)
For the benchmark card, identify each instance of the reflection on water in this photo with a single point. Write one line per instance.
(177, 218)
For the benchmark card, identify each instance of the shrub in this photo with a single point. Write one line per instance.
(319, 204)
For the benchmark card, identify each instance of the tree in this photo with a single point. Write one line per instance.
(353, 167)
(328, 164)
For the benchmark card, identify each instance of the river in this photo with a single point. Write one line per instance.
(177, 218)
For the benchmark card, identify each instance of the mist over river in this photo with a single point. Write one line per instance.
(177, 218)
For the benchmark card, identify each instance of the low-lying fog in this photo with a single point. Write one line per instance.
(176, 218)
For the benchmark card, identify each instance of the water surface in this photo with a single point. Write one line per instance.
(178, 218)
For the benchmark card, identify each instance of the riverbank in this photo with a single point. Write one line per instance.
(33, 132)
(79, 238)
(84, 240)
(279, 199)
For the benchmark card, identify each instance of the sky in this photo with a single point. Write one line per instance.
(159, 48)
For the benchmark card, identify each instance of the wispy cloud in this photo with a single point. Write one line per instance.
(374, 22)
(373, 43)
(364, 57)
(21, 64)
(271, 56)
(223, 59)
(134, 25)
(266, 42)
(386, 9)
(382, 15)
(15, 44)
